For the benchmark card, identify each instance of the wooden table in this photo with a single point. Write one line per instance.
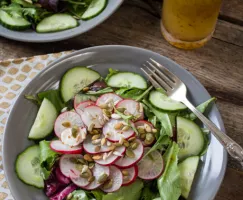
(218, 65)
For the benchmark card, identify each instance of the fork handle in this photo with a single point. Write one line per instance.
(234, 149)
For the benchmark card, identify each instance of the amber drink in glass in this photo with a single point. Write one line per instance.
(189, 24)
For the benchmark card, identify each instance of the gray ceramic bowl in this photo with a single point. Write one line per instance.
(32, 36)
(212, 167)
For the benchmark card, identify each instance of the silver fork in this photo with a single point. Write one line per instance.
(160, 77)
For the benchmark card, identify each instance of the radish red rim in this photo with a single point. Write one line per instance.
(132, 107)
(97, 170)
(58, 146)
(108, 100)
(126, 162)
(132, 175)
(116, 177)
(71, 118)
(80, 107)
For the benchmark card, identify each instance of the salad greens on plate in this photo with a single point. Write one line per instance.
(46, 16)
(111, 138)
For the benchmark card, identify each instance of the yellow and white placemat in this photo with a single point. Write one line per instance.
(15, 74)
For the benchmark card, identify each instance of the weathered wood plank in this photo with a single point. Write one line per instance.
(232, 11)
(231, 188)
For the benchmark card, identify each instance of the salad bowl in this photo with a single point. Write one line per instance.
(211, 166)
(84, 26)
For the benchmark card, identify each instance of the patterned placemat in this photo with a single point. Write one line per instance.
(15, 74)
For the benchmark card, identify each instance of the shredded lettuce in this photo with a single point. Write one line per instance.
(111, 73)
(47, 158)
(169, 182)
(100, 92)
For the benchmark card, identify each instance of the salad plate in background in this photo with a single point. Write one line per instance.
(52, 20)
(147, 158)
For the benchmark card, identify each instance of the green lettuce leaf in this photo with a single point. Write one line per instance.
(202, 108)
(169, 182)
(47, 158)
(79, 195)
(150, 191)
(130, 192)
(163, 117)
(54, 97)
(98, 194)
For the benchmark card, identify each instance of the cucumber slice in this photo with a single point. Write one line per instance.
(56, 22)
(127, 80)
(94, 9)
(14, 23)
(187, 169)
(76, 79)
(28, 168)
(163, 102)
(189, 138)
(44, 121)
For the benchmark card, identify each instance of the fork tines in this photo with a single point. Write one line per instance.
(159, 76)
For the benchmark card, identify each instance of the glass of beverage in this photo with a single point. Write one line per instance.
(189, 24)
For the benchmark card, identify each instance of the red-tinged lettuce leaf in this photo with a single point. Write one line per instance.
(64, 193)
(51, 5)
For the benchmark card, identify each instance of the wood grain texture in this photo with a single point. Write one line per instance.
(218, 66)
(232, 11)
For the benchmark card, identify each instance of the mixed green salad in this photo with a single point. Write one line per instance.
(111, 138)
(46, 16)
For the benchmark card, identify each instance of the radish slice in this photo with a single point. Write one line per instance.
(126, 161)
(132, 175)
(141, 123)
(67, 166)
(80, 107)
(67, 120)
(116, 178)
(113, 134)
(90, 148)
(71, 138)
(79, 181)
(58, 146)
(97, 171)
(108, 99)
(112, 157)
(131, 108)
(151, 166)
(93, 115)
(81, 98)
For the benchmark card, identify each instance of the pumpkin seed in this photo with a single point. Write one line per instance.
(121, 109)
(112, 147)
(118, 126)
(90, 127)
(88, 157)
(150, 137)
(91, 165)
(140, 107)
(106, 112)
(103, 141)
(154, 130)
(147, 128)
(115, 116)
(105, 156)
(74, 132)
(103, 106)
(131, 139)
(142, 136)
(81, 161)
(85, 89)
(141, 129)
(108, 184)
(134, 145)
(97, 148)
(96, 137)
(107, 135)
(96, 131)
(85, 169)
(69, 196)
(125, 173)
(117, 144)
(126, 178)
(79, 167)
(102, 178)
(91, 179)
(117, 153)
(126, 143)
(130, 153)
(108, 143)
(97, 157)
(125, 128)
(85, 175)
(121, 140)
(96, 142)
(66, 124)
